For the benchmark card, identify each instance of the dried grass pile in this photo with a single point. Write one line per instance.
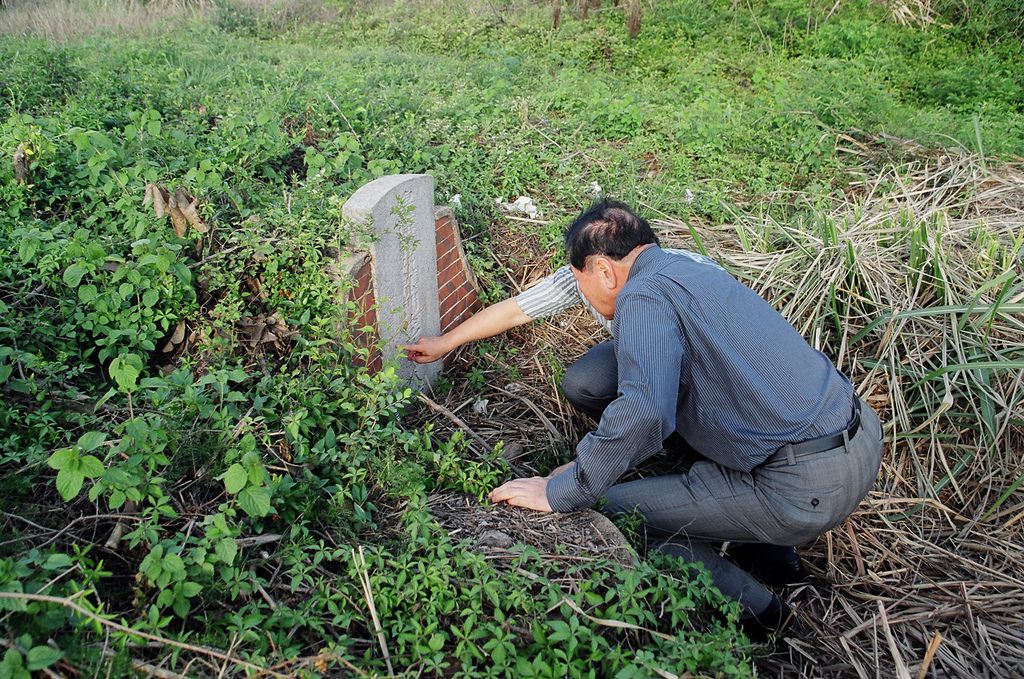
(496, 529)
(66, 20)
(912, 282)
(62, 20)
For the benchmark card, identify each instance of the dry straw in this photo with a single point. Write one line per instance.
(912, 283)
(65, 20)
(62, 20)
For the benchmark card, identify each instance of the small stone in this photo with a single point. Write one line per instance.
(495, 538)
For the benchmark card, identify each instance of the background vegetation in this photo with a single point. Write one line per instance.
(253, 502)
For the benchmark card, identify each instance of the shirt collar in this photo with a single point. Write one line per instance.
(644, 261)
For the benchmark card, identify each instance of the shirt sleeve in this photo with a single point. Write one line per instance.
(650, 353)
(551, 295)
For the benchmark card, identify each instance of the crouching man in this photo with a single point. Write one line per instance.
(789, 450)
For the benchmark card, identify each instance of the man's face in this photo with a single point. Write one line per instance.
(595, 285)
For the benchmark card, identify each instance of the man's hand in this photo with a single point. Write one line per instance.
(531, 493)
(427, 350)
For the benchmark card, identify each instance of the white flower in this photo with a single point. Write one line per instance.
(689, 196)
(456, 200)
(595, 189)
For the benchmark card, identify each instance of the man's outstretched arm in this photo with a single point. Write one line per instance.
(550, 295)
(493, 320)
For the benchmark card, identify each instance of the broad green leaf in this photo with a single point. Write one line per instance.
(62, 458)
(91, 466)
(226, 550)
(69, 482)
(125, 369)
(183, 273)
(255, 501)
(56, 562)
(165, 598)
(173, 563)
(73, 274)
(5, 372)
(12, 667)
(13, 604)
(181, 607)
(150, 297)
(256, 473)
(234, 478)
(42, 656)
(27, 249)
(88, 293)
(91, 440)
(436, 642)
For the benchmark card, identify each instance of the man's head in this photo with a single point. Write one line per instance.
(602, 244)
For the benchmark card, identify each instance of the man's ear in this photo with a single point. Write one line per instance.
(606, 272)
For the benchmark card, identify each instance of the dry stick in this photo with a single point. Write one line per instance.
(364, 577)
(552, 429)
(154, 671)
(231, 648)
(901, 669)
(321, 656)
(505, 269)
(861, 570)
(852, 659)
(255, 540)
(604, 622)
(342, 113)
(933, 646)
(438, 408)
(68, 603)
(115, 535)
(65, 529)
(528, 220)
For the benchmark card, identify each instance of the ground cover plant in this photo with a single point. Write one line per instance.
(184, 493)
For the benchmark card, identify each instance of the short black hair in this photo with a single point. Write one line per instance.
(607, 228)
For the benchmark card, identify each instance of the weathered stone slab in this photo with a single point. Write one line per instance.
(399, 211)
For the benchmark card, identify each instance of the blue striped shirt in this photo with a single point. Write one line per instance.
(702, 354)
(559, 291)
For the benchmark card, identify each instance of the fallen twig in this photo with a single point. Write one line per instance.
(68, 603)
(364, 577)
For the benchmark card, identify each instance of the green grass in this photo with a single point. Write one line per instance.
(715, 110)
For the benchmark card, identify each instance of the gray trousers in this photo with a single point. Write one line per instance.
(781, 502)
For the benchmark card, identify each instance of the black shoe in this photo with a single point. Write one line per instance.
(772, 623)
(774, 565)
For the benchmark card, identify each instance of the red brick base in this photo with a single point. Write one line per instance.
(457, 291)
(458, 294)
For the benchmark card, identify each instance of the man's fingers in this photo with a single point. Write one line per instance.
(414, 352)
(504, 491)
(515, 501)
(509, 489)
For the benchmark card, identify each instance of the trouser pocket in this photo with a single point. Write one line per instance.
(819, 491)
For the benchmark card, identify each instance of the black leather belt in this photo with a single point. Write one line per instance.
(827, 442)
